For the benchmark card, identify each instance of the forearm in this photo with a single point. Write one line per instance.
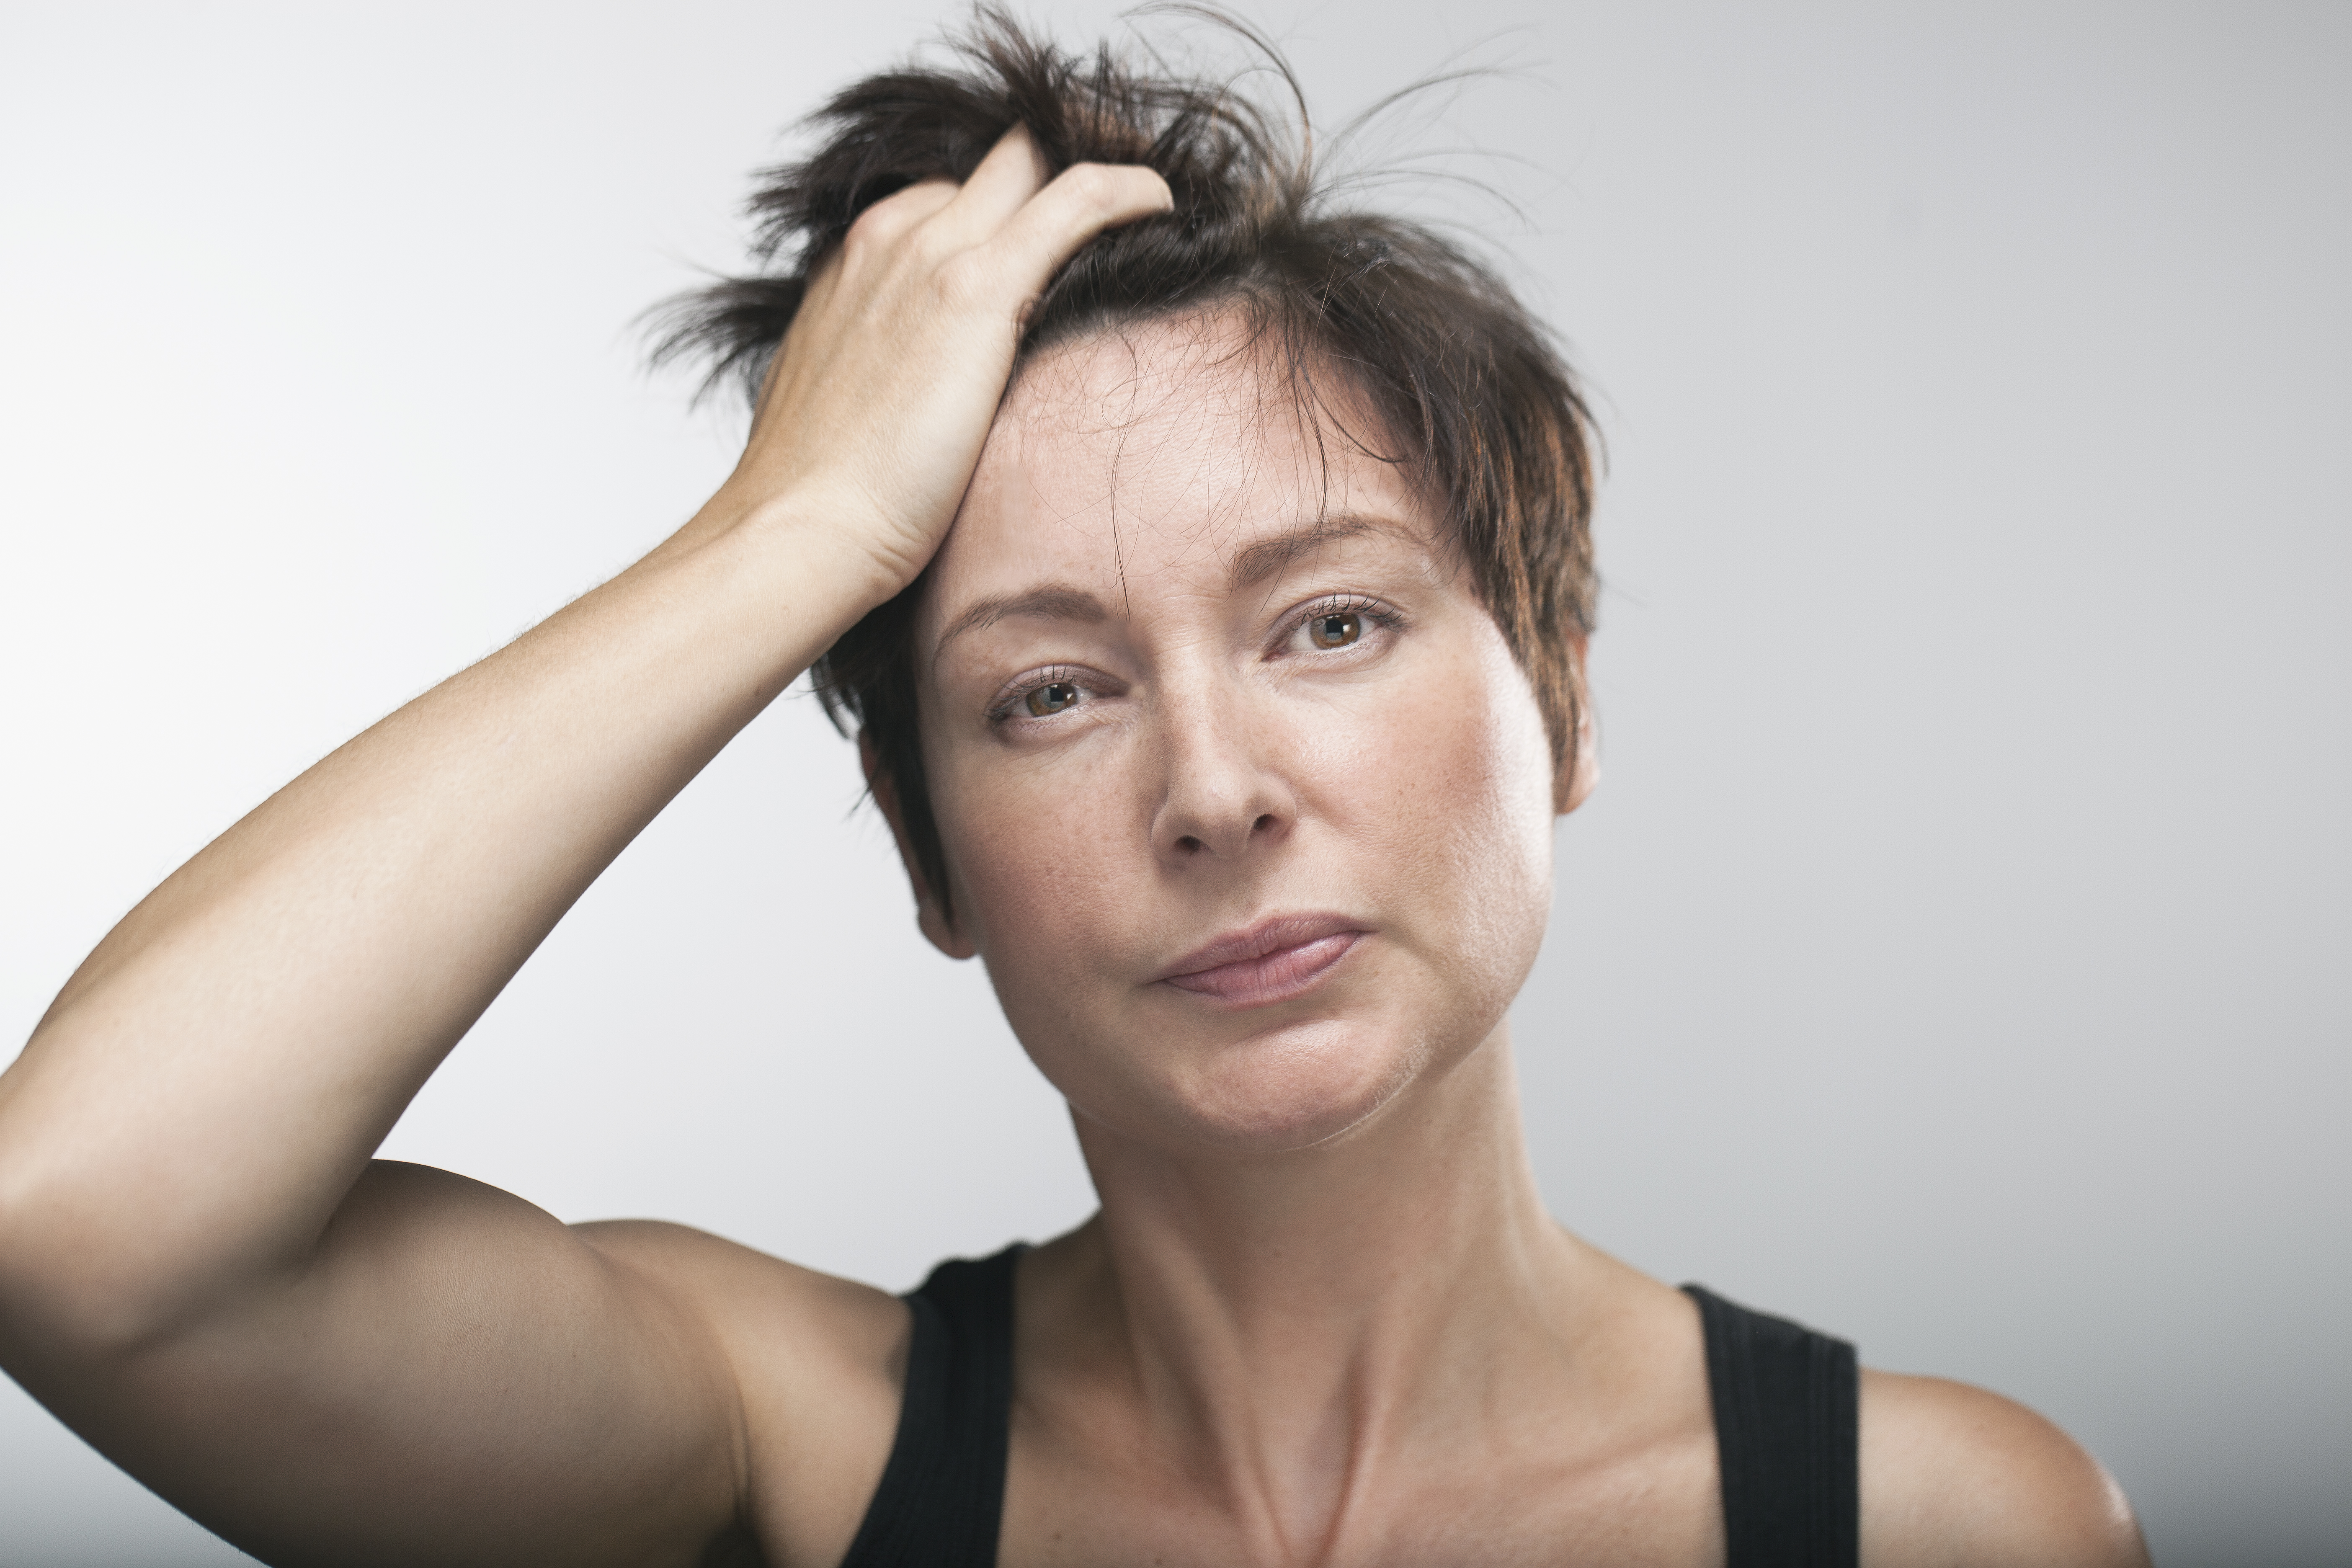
(203, 1092)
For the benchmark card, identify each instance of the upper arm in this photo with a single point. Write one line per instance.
(457, 1378)
(818, 1364)
(1953, 1477)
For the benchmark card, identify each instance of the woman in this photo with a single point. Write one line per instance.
(1208, 576)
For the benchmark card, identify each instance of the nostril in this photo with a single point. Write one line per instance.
(1263, 823)
(1189, 844)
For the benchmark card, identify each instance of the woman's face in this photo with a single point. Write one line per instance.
(1244, 802)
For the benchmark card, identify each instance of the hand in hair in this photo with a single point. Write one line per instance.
(874, 409)
(328, 1358)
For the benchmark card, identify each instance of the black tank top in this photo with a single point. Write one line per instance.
(1785, 1432)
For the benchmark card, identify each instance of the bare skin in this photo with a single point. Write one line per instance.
(1322, 1316)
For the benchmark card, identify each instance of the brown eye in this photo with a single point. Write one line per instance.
(1051, 697)
(1337, 629)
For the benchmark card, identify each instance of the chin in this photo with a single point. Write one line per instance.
(1289, 1089)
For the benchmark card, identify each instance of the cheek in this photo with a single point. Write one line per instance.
(1049, 879)
(1451, 799)
(1424, 804)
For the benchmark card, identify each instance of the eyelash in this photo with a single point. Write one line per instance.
(1018, 692)
(1373, 611)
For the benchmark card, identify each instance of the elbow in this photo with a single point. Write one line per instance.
(95, 1233)
(75, 1281)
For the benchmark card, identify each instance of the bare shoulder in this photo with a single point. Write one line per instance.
(818, 1364)
(760, 1305)
(1953, 1477)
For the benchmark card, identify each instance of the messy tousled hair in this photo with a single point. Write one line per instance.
(1472, 396)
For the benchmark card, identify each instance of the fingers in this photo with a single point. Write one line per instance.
(1011, 174)
(895, 213)
(1083, 200)
(1005, 229)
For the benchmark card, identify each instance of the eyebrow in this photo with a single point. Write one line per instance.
(1270, 556)
(1048, 602)
(1063, 601)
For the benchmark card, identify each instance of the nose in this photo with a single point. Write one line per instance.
(1223, 795)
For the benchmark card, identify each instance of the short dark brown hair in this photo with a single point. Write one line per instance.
(1475, 398)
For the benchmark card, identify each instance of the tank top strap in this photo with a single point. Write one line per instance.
(1786, 1423)
(941, 1501)
(1787, 1431)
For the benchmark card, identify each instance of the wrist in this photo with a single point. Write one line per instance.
(830, 565)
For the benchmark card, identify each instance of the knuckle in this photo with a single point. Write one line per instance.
(895, 217)
(871, 232)
(935, 243)
(964, 280)
(874, 219)
(1093, 185)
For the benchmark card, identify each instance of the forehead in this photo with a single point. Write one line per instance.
(1160, 450)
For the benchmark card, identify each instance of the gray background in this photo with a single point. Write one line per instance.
(1954, 955)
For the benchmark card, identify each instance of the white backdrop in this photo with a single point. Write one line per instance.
(1955, 956)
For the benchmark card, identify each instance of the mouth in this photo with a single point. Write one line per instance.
(1273, 960)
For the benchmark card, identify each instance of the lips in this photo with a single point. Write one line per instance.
(1273, 960)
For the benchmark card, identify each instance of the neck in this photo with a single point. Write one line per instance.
(1303, 1322)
